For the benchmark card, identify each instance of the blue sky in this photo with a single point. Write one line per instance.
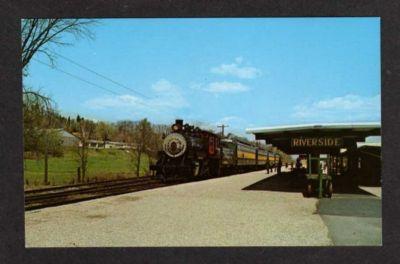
(246, 72)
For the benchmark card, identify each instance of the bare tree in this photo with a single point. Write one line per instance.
(104, 131)
(46, 135)
(37, 34)
(86, 130)
(142, 137)
(124, 131)
(157, 138)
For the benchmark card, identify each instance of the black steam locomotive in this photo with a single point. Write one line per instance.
(190, 152)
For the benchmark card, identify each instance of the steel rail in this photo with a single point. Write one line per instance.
(43, 200)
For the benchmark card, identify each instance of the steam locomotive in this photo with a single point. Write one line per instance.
(190, 152)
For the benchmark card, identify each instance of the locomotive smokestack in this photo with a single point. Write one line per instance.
(178, 125)
(179, 122)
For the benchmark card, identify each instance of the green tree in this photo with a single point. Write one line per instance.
(39, 120)
(34, 111)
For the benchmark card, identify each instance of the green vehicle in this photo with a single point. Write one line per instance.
(319, 183)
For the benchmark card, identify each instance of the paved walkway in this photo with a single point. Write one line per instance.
(215, 212)
(353, 219)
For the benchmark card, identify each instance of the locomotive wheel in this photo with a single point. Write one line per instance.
(162, 177)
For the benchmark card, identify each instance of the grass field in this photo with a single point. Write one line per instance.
(102, 164)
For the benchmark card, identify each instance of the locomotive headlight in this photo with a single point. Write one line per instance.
(174, 145)
(175, 127)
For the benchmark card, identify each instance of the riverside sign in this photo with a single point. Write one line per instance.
(313, 142)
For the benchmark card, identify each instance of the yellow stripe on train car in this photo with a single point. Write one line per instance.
(246, 155)
(262, 157)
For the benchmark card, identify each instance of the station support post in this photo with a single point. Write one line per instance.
(319, 179)
(352, 163)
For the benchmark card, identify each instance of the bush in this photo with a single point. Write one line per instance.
(57, 151)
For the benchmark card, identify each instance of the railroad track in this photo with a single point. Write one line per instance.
(54, 196)
(60, 195)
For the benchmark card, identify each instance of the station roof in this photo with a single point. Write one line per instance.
(349, 133)
(371, 149)
(369, 145)
(312, 127)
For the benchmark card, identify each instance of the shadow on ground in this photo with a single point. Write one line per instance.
(351, 205)
(293, 182)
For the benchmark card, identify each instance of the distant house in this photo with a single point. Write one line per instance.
(98, 144)
(70, 140)
(67, 139)
(118, 145)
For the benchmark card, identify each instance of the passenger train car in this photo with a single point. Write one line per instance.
(190, 152)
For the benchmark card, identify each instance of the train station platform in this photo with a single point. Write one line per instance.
(251, 209)
(215, 212)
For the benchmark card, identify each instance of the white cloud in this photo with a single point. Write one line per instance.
(165, 97)
(228, 119)
(112, 101)
(225, 87)
(235, 69)
(239, 60)
(345, 102)
(345, 108)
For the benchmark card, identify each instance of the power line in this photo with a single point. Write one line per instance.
(99, 74)
(77, 77)
(86, 81)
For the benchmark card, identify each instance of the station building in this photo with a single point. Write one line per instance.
(348, 161)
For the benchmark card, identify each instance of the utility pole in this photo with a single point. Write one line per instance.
(223, 128)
